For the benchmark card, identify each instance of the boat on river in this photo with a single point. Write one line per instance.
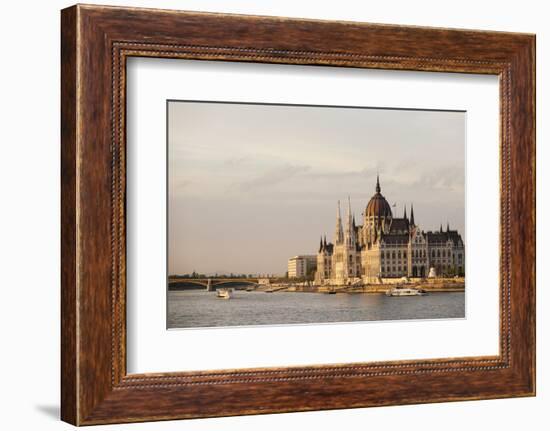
(224, 293)
(405, 291)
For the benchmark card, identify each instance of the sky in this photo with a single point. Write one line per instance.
(250, 186)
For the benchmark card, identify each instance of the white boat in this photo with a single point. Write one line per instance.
(405, 291)
(224, 293)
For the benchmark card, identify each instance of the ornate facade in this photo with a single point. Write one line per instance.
(385, 246)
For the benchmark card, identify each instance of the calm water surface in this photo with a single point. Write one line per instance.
(198, 308)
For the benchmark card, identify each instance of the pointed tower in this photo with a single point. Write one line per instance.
(447, 227)
(339, 233)
(412, 215)
(354, 229)
(405, 211)
(321, 244)
(378, 183)
(349, 233)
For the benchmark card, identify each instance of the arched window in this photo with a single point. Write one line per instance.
(433, 253)
(438, 253)
(393, 254)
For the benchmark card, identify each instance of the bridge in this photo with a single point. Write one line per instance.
(212, 283)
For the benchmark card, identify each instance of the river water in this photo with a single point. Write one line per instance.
(198, 308)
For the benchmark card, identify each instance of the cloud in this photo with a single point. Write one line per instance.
(180, 185)
(236, 161)
(446, 178)
(273, 177)
(367, 172)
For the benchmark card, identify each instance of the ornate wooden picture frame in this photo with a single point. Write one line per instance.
(96, 41)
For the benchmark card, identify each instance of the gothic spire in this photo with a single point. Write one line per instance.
(321, 244)
(405, 211)
(377, 184)
(441, 228)
(447, 227)
(412, 215)
(339, 234)
(349, 233)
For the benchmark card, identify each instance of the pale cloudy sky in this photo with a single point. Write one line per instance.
(251, 185)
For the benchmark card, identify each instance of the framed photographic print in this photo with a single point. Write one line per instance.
(266, 215)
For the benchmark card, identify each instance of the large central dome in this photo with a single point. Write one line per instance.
(378, 206)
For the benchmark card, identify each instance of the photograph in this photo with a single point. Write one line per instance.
(284, 214)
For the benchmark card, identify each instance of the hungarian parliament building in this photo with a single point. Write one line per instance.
(386, 247)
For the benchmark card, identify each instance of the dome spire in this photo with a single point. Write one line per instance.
(377, 183)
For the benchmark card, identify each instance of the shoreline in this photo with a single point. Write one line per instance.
(372, 289)
(376, 289)
(440, 285)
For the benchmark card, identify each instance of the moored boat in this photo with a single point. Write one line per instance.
(405, 291)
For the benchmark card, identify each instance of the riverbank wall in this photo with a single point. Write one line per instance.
(441, 286)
